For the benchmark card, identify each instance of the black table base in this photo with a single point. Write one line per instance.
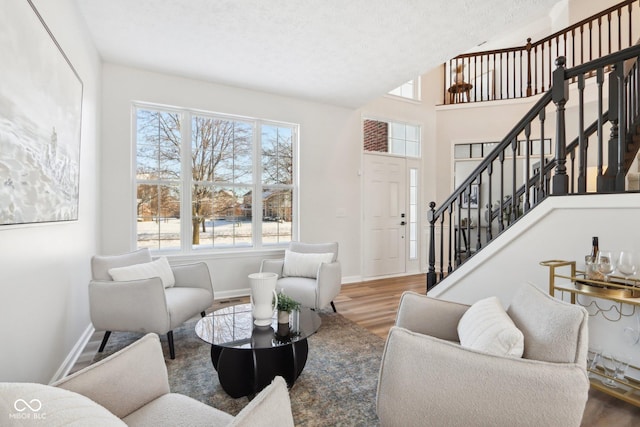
(244, 371)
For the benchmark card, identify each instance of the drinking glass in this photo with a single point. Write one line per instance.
(622, 365)
(593, 356)
(605, 264)
(589, 266)
(609, 363)
(632, 335)
(627, 264)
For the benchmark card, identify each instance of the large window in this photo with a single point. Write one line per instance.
(197, 174)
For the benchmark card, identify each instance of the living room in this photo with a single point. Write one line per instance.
(47, 266)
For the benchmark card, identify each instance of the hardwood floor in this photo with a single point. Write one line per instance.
(373, 305)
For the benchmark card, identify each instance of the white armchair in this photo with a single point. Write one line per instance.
(145, 304)
(312, 282)
(427, 378)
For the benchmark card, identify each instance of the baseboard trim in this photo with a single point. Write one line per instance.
(74, 354)
(351, 279)
(233, 293)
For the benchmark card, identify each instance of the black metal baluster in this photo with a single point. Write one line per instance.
(599, 169)
(431, 273)
(501, 203)
(527, 162)
(582, 171)
(489, 203)
(441, 275)
(514, 152)
(450, 246)
(541, 191)
(478, 217)
(622, 129)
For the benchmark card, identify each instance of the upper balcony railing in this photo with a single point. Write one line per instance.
(527, 70)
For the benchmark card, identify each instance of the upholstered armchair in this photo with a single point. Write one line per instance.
(133, 293)
(310, 273)
(427, 378)
(131, 387)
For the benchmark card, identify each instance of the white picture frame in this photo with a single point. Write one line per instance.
(40, 122)
(471, 199)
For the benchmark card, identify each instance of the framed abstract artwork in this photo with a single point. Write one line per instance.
(40, 121)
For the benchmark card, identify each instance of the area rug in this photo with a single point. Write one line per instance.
(337, 386)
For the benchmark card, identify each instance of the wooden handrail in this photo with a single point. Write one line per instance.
(523, 71)
(591, 18)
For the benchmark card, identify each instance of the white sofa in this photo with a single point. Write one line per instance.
(131, 388)
(428, 379)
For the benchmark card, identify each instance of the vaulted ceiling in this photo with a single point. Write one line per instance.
(334, 51)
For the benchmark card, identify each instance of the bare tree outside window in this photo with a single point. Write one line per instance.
(221, 177)
(221, 153)
(158, 174)
(277, 179)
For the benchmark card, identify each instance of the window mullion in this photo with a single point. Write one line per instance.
(256, 202)
(187, 182)
(295, 223)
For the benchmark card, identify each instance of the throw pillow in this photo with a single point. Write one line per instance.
(298, 264)
(158, 268)
(555, 330)
(486, 327)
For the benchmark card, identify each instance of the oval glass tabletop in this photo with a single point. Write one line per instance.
(233, 327)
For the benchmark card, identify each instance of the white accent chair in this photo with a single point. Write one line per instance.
(313, 292)
(428, 379)
(131, 387)
(145, 305)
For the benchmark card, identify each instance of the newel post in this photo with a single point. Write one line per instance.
(528, 49)
(431, 274)
(560, 96)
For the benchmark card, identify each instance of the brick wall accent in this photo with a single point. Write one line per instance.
(376, 136)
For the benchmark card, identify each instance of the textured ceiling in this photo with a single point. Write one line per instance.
(343, 52)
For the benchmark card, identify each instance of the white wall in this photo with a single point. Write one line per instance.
(421, 113)
(45, 268)
(560, 228)
(467, 123)
(329, 163)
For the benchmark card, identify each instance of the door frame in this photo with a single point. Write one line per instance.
(412, 265)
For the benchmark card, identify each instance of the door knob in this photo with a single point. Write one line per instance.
(402, 223)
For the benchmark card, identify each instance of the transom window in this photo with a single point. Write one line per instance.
(401, 139)
(198, 174)
(408, 90)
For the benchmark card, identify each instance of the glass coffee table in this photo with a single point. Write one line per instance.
(247, 357)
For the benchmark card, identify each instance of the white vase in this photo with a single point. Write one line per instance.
(264, 298)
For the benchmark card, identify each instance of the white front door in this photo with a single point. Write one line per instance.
(385, 215)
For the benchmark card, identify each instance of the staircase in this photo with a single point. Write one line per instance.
(521, 172)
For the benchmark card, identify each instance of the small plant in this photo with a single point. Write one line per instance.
(286, 303)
